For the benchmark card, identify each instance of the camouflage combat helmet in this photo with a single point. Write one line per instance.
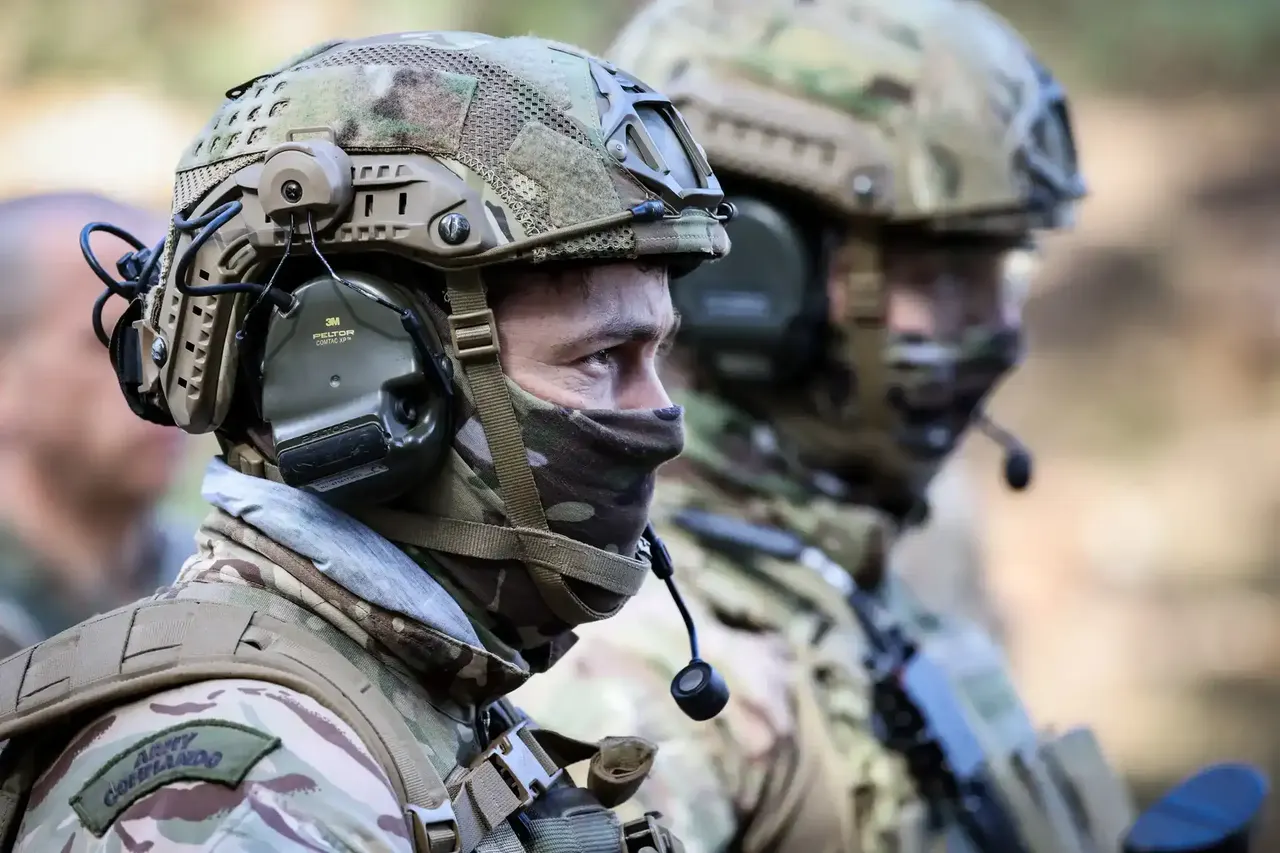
(448, 152)
(463, 151)
(931, 115)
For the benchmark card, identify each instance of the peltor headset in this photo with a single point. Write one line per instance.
(354, 384)
(760, 316)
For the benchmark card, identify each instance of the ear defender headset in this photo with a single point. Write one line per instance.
(359, 398)
(758, 316)
(355, 386)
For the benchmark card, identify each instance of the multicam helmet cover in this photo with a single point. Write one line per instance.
(545, 150)
(899, 125)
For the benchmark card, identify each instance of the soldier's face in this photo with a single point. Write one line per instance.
(589, 339)
(60, 401)
(939, 292)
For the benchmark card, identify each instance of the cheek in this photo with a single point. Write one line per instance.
(566, 386)
(837, 298)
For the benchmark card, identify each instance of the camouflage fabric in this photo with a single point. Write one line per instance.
(594, 472)
(320, 789)
(34, 605)
(918, 109)
(793, 764)
(790, 653)
(521, 121)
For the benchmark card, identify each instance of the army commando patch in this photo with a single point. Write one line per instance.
(203, 750)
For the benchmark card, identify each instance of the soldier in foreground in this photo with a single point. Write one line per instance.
(890, 160)
(79, 530)
(416, 285)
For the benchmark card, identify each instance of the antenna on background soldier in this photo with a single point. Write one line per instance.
(698, 689)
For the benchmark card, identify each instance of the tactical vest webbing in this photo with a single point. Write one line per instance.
(152, 646)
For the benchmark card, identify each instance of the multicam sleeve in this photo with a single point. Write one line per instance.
(616, 681)
(233, 766)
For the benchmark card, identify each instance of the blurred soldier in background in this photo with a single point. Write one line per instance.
(890, 161)
(79, 532)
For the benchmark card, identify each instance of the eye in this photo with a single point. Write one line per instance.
(600, 358)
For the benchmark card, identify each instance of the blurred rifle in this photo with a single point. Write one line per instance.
(918, 715)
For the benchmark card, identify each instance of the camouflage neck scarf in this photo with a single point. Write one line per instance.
(595, 473)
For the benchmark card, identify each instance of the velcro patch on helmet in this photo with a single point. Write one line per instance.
(578, 187)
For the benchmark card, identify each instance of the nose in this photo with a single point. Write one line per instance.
(646, 392)
(912, 311)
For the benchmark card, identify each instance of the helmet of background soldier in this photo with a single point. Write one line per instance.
(853, 136)
(439, 156)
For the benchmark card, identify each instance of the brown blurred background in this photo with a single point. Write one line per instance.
(1139, 579)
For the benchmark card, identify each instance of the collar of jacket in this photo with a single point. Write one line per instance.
(375, 572)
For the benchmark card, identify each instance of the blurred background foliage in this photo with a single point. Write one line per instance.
(1139, 579)
(1154, 47)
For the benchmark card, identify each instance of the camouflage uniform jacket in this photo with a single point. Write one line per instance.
(792, 763)
(297, 777)
(33, 605)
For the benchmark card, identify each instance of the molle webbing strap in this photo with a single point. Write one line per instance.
(18, 773)
(524, 762)
(865, 328)
(510, 773)
(246, 459)
(158, 645)
(474, 338)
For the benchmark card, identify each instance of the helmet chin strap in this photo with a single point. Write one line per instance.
(866, 335)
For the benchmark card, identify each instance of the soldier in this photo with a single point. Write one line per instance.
(79, 531)
(416, 284)
(890, 162)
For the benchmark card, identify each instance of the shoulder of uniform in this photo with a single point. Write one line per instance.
(204, 752)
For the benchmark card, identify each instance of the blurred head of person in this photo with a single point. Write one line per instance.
(73, 457)
(892, 162)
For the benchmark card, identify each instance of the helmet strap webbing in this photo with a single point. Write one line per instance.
(473, 337)
(866, 330)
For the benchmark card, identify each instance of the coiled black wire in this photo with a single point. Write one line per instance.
(139, 268)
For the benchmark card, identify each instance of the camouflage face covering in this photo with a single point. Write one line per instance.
(595, 472)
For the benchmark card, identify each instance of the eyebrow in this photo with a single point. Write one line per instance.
(620, 330)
